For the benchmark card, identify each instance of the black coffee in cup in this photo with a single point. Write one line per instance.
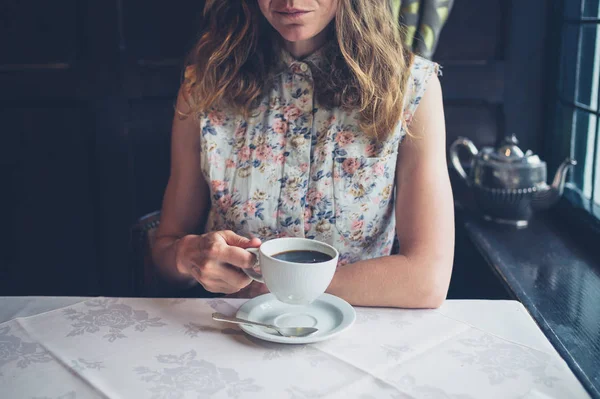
(303, 256)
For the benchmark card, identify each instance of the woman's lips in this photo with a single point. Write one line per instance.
(292, 14)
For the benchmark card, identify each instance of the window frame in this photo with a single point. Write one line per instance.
(582, 213)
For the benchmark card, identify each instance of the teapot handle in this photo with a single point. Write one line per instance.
(461, 142)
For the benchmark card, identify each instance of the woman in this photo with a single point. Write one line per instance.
(308, 118)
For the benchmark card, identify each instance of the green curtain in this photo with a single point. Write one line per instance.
(422, 22)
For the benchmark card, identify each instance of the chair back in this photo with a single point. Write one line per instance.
(143, 233)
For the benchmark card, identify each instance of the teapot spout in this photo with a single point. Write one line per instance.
(548, 196)
(560, 177)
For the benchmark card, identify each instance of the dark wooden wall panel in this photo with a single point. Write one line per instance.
(478, 82)
(494, 52)
(152, 80)
(150, 138)
(526, 72)
(162, 31)
(55, 25)
(58, 59)
(479, 121)
(50, 200)
(471, 52)
(133, 152)
(474, 32)
(38, 54)
(155, 43)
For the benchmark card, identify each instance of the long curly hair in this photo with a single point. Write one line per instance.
(367, 71)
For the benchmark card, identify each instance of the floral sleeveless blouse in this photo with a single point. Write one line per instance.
(296, 169)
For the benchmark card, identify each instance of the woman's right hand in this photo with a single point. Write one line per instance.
(216, 260)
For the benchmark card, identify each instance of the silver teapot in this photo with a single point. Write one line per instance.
(509, 185)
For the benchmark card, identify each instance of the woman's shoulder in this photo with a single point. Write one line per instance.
(422, 69)
(189, 74)
(189, 78)
(188, 81)
(421, 72)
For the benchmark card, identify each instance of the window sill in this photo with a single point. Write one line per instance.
(554, 275)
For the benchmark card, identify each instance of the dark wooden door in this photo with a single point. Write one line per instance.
(494, 58)
(134, 151)
(50, 77)
(86, 101)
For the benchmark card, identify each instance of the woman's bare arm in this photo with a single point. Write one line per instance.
(214, 259)
(186, 199)
(420, 275)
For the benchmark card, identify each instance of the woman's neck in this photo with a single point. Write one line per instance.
(302, 49)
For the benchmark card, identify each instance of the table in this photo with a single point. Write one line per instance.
(562, 300)
(171, 348)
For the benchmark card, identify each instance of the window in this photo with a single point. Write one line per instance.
(578, 101)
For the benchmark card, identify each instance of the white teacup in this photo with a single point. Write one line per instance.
(293, 282)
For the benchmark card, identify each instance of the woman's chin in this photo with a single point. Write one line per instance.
(296, 33)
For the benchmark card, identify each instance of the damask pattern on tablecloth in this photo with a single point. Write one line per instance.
(187, 374)
(502, 361)
(415, 390)
(366, 317)
(14, 349)
(82, 364)
(300, 352)
(68, 395)
(194, 330)
(476, 361)
(373, 389)
(396, 352)
(111, 317)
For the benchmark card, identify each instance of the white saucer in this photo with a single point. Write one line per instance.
(330, 314)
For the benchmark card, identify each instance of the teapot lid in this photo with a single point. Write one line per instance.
(509, 152)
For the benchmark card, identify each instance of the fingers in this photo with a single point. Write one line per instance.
(254, 243)
(229, 249)
(215, 260)
(220, 278)
(237, 257)
(233, 276)
(238, 241)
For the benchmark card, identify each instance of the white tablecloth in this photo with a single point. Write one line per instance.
(171, 348)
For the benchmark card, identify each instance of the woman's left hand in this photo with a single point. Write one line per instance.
(254, 289)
